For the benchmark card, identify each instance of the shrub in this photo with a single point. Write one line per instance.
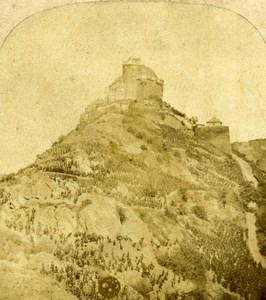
(132, 130)
(143, 147)
(200, 212)
(263, 250)
(149, 140)
(4, 196)
(121, 213)
(262, 189)
(182, 210)
(198, 294)
(149, 191)
(177, 154)
(249, 193)
(261, 221)
(187, 261)
(170, 212)
(139, 135)
(143, 287)
(86, 202)
(8, 178)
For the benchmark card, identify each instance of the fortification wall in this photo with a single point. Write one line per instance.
(151, 89)
(146, 105)
(101, 107)
(141, 82)
(218, 136)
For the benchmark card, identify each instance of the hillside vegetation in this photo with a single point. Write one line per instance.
(137, 196)
(253, 153)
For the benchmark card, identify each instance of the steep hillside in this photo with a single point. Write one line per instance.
(135, 195)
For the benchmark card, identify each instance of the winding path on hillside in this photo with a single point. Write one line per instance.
(246, 170)
(252, 239)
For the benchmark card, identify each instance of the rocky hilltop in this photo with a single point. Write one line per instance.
(132, 193)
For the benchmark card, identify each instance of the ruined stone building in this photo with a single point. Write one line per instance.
(137, 82)
(138, 87)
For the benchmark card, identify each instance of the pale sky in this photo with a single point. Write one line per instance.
(56, 62)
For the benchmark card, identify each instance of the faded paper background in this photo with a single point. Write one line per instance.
(55, 63)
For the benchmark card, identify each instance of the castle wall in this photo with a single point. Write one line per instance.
(101, 107)
(141, 82)
(218, 136)
(150, 89)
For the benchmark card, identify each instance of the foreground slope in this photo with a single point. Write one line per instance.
(137, 196)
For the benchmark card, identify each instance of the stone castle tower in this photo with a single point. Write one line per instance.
(137, 82)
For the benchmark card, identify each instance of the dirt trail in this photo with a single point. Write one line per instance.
(246, 170)
(252, 240)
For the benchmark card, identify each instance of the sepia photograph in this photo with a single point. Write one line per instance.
(133, 150)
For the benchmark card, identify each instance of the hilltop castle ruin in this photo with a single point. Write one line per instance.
(138, 87)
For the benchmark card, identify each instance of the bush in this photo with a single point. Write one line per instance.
(182, 210)
(86, 202)
(177, 154)
(249, 193)
(143, 287)
(132, 130)
(198, 294)
(200, 212)
(143, 147)
(263, 250)
(140, 135)
(262, 189)
(149, 191)
(187, 261)
(121, 213)
(170, 213)
(149, 140)
(261, 221)
(8, 178)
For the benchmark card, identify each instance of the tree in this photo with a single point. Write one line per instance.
(262, 189)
